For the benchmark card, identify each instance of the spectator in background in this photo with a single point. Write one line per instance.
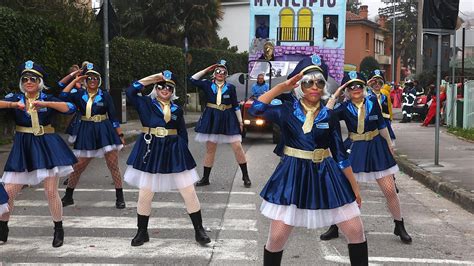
(432, 109)
(260, 87)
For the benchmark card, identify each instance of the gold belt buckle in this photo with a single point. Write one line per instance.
(221, 107)
(317, 156)
(96, 118)
(161, 132)
(39, 132)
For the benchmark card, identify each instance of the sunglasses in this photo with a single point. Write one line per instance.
(33, 79)
(377, 82)
(221, 71)
(356, 87)
(166, 87)
(309, 83)
(92, 78)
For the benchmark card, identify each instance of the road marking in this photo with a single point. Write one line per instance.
(416, 234)
(155, 205)
(137, 190)
(376, 215)
(111, 222)
(345, 259)
(113, 247)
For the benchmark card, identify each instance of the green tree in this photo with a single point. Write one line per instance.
(353, 6)
(368, 64)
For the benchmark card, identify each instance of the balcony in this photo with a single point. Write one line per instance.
(295, 34)
(383, 59)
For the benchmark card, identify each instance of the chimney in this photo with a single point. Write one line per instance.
(364, 11)
(382, 21)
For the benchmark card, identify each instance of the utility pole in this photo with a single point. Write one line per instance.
(419, 39)
(106, 44)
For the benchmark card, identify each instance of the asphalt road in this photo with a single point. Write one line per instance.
(96, 232)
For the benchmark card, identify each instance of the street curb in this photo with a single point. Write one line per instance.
(130, 138)
(458, 195)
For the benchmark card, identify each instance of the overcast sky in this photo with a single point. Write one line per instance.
(465, 6)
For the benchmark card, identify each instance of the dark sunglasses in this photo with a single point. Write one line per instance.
(309, 83)
(221, 71)
(33, 79)
(356, 87)
(377, 82)
(166, 87)
(91, 78)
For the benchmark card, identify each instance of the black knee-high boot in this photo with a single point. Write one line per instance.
(142, 233)
(58, 237)
(67, 199)
(401, 232)
(119, 200)
(4, 231)
(205, 177)
(332, 232)
(245, 174)
(271, 258)
(200, 233)
(358, 254)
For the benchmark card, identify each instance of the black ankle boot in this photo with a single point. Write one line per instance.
(401, 232)
(358, 254)
(119, 202)
(200, 233)
(4, 231)
(205, 177)
(271, 258)
(58, 237)
(245, 175)
(67, 199)
(332, 232)
(142, 234)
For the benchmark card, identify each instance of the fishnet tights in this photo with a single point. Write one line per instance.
(278, 236)
(353, 230)
(387, 185)
(51, 192)
(211, 149)
(239, 152)
(145, 198)
(111, 158)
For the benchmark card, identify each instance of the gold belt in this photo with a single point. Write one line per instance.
(42, 130)
(221, 107)
(365, 136)
(317, 156)
(159, 132)
(95, 118)
(386, 115)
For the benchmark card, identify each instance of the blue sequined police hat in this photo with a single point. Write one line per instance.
(310, 64)
(377, 73)
(353, 76)
(170, 77)
(92, 69)
(222, 63)
(32, 67)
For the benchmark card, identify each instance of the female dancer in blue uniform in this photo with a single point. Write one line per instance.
(98, 133)
(221, 121)
(160, 159)
(309, 188)
(38, 154)
(371, 150)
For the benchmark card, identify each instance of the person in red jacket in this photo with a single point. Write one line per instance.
(432, 110)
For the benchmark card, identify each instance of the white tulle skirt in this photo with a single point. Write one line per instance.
(35, 177)
(367, 177)
(3, 208)
(97, 153)
(160, 182)
(218, 138)
(291, 215)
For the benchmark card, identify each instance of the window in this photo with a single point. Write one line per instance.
(366, 41)
(305, 18)
(287, 23)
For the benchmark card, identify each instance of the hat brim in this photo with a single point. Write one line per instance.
(92, 72)
(32, 71)
(311, 68)
(374, 77)
(353, 80)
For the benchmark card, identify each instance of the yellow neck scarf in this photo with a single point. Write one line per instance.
(360, 116)
(219, 92)
(33, 113)
(89, 103)
(166, 110)
(310, 115)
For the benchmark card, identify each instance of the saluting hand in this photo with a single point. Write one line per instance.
(211, 68)
(292, 83)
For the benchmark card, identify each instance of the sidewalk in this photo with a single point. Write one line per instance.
(454, 178)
